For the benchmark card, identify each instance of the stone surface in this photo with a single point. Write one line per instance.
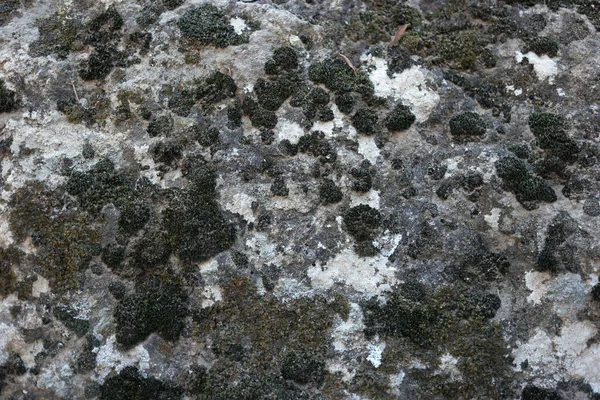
(280, 200)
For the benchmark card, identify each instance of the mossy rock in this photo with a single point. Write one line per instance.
(550, 132)
(400, 118)
(543, 45)
(365, 121)
(129, 384)
(8, 101)
(216, 87)
(284, 59)
(156, 306)
(209, 26)
(527, 187)
(338, 77)
(362, 222)
(467, 124)
(8, 280)
(329, 193)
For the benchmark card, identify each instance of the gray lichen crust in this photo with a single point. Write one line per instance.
(275, 199)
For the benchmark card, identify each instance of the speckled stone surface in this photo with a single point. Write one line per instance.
(281, 199)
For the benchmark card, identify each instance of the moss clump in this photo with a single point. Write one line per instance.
(284, 59)
(148, 252)
(195, 226)
(63, 236)
(131, 385)
(134, 216)
(68, 316)
(467, 124)
(99, 64)
(8, 101)
(216, 87)
(338, 77)
(113, 255)
(365, 121)
(162, 125)
(206, 136)
(377, 24)
(596, 292)
(303, 369)
(104, 28)
(550, 132)
(329, 193)
(166, 152)
(157, 305)
(345, 102)
(362, 223)
(543, 45)
(279, 188)
(272, 94)
(527, 187)
(259, 117)
(57, 35)
(531, 392)
(209, 26)
(363, 177)
(8, 279)
(459, 49)
(400, 118)
(316, 145)
(557, 254)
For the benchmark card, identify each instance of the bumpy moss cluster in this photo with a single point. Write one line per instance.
(329, 193)
(467, 124)
(63, 236)
(543, 45)
(8, 101)
(316, 145)
(556, 254)
(362, 223)
(57, 35)
(363, 177)
(8, 279)
(130, 384)
(195, 226)
(338, 77)
(527, 187)
(209, 26)
(156, 306)
(259, 117)
(216, 87)
(279, 188)
(380, 20)
(284, 59)
(400, 118)
(69, 317)
(365, 121)
(303, 369)
(550, 132)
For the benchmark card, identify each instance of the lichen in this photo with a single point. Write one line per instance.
(467, 124)
(209, 26)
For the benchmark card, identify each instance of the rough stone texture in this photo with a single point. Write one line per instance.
(278, 200)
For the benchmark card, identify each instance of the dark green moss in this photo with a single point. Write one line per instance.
(467, 124)
(133, 216)
(162, 125)
(363, 177)
(287, 148)
(329, 193)
(520, 150)
(284, 59)
(208, 25)
(234, 116)
(338, 77)
(205, 135)
(543, 45)
(57, 35)
(345, 102)
(362, 222)
(550, 132)
(181, 102)
(8, 279)
(272, 94)
(400, 118)
(195, 226)
(63, 236)
(365, 121)
(217, 87)
(316, 145)
(149, 251)
(527, 187)
(69, 317)
(596, 292)
(113, 255)
(380, 21)
(172, 4)
(326, 115)
(259, 117)
(104, 28)
(303, 369)
(556, 254)
(591, 207)
(166, 152)
(157, 305)
(437, 171)
(279, 188)
(531, 392)
(86, 360)
(99, 64)
(8, 100)
(131, 385)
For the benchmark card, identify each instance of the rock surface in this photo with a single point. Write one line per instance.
(279, 199)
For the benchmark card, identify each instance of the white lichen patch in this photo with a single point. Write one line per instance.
(9, 338)
(492, 218)
(239, 25)
(375, 353)
(563, 357)
(368, 149)
(410, 86)
(237, 202)
(537, 283)
(449, 366)
(371, 275)
(109, 358)
(370, 198)
(544, 66)
(289, 130)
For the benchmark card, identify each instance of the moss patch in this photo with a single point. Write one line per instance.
(209, 26)
(467, 124)
(8, 101)
(130, 384)
(527, 187)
